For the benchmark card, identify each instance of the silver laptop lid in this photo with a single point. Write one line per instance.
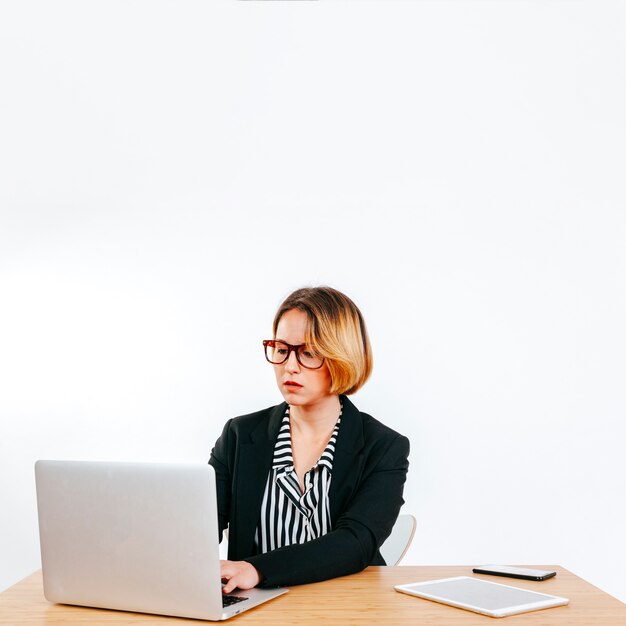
(130, 536)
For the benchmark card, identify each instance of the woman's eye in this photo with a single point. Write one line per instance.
(281, 351)
(308, 354)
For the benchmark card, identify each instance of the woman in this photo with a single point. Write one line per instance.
(310, 488)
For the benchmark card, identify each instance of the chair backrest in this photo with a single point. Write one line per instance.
(396, 545)
(224, 545)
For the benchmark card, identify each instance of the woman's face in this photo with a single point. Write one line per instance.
(300, 386)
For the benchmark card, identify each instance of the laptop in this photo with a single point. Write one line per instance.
(139, 537)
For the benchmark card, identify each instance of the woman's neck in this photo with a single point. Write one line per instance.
(318, 418)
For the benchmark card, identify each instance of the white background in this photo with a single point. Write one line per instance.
(169, 171)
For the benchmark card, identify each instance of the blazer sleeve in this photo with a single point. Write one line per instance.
(365, 523)
(220, 461)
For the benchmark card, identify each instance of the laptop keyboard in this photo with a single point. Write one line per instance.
(230, 600)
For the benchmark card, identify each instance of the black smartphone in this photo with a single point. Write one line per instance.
(514, 572)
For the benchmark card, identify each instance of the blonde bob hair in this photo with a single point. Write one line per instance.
(336, 330)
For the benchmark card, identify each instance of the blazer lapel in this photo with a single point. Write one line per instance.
(253, 466)
(348, 458)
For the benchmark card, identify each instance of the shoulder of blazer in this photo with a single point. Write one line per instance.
(361, 429)
(373, 431)
(263, 424)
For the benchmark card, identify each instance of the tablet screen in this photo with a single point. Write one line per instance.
(481, 593)
(482, 596)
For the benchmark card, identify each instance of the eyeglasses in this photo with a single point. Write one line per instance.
(277, 352)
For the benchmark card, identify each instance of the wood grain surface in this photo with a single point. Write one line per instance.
(364, 598)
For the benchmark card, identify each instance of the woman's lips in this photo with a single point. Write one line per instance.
(291, 383)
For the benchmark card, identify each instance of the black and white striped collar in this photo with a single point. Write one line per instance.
(283, 456)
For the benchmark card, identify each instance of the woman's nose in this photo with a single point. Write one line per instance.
(292, 364)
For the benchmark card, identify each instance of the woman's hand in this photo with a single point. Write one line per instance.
(239, 574)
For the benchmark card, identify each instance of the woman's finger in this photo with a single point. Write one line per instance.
(230, 585)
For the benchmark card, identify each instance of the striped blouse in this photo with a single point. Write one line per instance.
(287, 515)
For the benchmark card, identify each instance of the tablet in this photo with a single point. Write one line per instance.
(481, 596)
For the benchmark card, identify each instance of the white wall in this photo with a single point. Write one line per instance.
(456, 168)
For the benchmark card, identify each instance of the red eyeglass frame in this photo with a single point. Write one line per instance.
(290, 349)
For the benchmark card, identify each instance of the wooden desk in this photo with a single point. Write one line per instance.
(363, 598)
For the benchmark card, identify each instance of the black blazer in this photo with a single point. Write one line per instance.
(369, 470)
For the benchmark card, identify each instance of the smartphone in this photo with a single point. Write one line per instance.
(514, 572)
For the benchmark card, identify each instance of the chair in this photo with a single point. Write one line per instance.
(396, 545)
(224, 545)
